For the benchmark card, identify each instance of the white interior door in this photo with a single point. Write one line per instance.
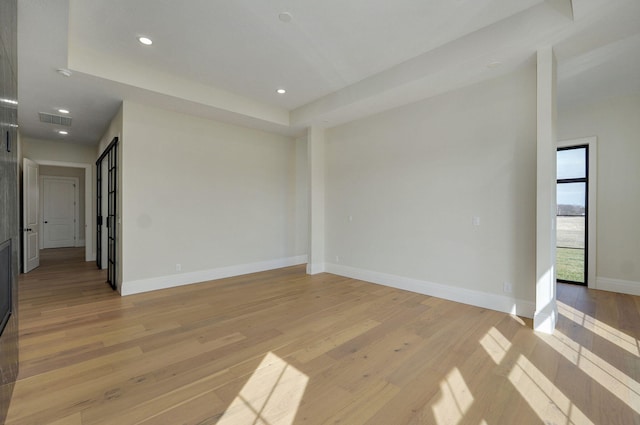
(59, 211)
(30, 218)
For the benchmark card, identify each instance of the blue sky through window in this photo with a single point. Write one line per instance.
(571, 164)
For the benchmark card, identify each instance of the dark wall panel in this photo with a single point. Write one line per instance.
(9, 196)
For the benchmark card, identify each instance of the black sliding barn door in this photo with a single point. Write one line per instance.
(110, 154)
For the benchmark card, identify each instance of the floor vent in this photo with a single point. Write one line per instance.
(54, 119)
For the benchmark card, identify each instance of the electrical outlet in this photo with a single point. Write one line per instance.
(178, 267)
(506, 288)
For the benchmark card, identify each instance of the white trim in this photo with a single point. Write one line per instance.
(545, 320)
(316, 197)
(316, 268)
(170, 281)
(617, 285)
(545, 242)
(76, 207)
(592, 142)
(496, 302)
(89, 250)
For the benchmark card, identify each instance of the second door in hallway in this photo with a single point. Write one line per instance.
(59, 212)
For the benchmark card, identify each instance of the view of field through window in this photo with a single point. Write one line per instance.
(571, 214)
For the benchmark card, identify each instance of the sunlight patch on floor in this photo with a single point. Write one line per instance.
(549, 403)
(546, 400)
(601, 329)
(455, 399)
(495, 344)
(270, 397)
(598, 369)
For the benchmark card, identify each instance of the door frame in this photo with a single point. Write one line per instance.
(76, 207)
(89, 249)
(592, 189)
(28, 226)
(110, 153)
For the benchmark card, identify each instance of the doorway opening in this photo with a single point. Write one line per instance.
(572, 216)
(32, 203)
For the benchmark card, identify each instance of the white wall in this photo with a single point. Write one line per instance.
(114, 130)
(413, 178)
(616, 124)
(53, 150)
(215, 198)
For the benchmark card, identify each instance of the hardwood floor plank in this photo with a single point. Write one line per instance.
(283, 348)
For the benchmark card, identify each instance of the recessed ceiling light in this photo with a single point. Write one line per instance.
(63, 132)
(145, 40)
(63, 111)
(281, 91)
(285, 17)
(65, 72)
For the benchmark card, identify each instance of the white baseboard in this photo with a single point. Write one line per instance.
(170, 281)
(616, 285)
(315, 268)
(496, 302)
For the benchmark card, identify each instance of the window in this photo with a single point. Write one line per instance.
(572, 214)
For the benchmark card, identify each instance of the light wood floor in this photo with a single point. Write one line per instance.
(284, 348)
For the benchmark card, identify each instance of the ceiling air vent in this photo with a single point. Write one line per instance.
(54, 119)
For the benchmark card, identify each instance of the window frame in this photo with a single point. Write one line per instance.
(591, 202)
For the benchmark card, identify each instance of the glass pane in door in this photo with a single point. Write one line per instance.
(572, 163)
(570, 236)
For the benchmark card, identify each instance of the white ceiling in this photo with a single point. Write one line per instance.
(339, 60)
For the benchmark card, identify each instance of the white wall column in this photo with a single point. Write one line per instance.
(316, 155)
(546, 314)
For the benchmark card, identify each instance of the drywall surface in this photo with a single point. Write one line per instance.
(615, 123)
(200, 196)
(54, 150)
(441, 192)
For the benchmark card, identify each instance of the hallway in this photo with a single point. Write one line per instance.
(63, 279)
